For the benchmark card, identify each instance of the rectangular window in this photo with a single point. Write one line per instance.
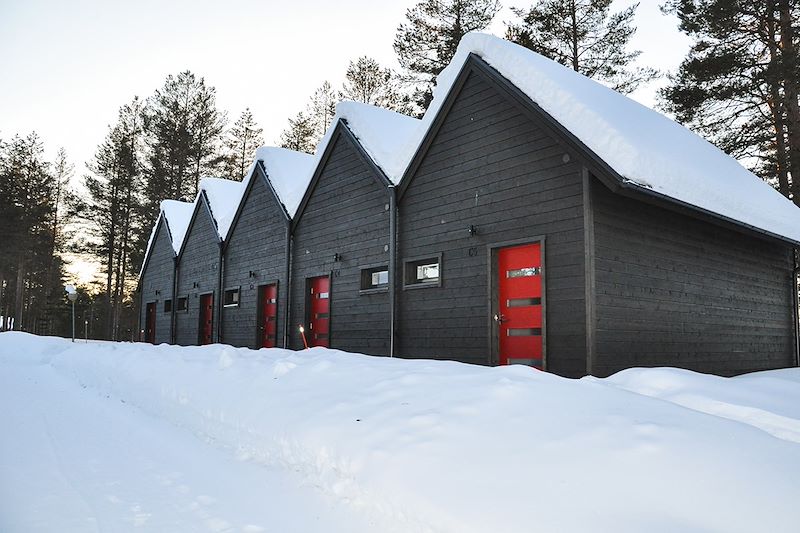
(167, 306)
(231, 298)
(183, 304)
(424, 272)
(375, 278)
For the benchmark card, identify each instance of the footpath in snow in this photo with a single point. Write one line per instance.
(132, 437)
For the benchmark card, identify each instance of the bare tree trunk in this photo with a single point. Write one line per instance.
(3, 317)
(20, 303)
(790, 94)
(775, 103)
(110, 262)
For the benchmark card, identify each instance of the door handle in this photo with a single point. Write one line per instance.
(500, 318)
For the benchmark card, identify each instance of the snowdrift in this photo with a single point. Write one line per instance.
(448, 447)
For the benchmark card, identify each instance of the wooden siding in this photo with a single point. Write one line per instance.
(256, 243)
(672, 290)
(158, 276)
(493, 167)
(346, 214)
(198, 264)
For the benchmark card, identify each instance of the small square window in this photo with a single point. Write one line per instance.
(231, 297)
(423, 272)
(183, 304)
(375, 278)
(167, 306)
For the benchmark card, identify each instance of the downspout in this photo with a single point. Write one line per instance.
(795, 309)
(392, 266)
(287, 273)
(172, 316)
(220, 271)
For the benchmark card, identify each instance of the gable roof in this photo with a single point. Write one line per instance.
(645, 150)
(383, 134)
(286, 179)
(175, 216)
(223, 198)
(375, 133)
(288, 172)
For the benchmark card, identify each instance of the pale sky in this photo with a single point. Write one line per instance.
(66, 66)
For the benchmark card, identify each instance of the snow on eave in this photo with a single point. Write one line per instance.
(223, 198)
(176, 216)
(383, 134)
(648, 150)
(289, 172)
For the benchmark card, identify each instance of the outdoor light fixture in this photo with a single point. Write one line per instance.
(337, 257)
(472, 230)
(251, 274)
(303, 335)
(194, 285)
(72, 295)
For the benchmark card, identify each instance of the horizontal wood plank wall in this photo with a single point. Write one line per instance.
(492, 167)
(346, 214)
(158, 276)
(676, 291)
(257, 243)
(199, 263)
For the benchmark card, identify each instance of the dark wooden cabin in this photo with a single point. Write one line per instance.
(157, 277)
(198, 265)
(340, 251)
(255, 266)
(508, 237)
(518, 244)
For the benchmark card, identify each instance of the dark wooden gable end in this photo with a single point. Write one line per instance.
(341, 228)
(156, 281)
(633, 278)
(487, 175)
(197, 271)
(255, 255)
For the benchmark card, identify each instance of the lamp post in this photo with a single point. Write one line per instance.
(72, 295)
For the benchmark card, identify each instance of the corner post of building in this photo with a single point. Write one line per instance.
(392, 266)
(588, 270)
(172, 316)
(220, 296)
(795, 306)
(287, 276)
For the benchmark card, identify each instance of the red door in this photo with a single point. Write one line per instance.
(150, 323)
(319, 319)
(206, 319)
(519, 316)
(268, 328)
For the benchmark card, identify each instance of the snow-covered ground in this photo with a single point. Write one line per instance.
(131, 437)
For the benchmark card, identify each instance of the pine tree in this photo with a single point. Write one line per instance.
(184, 131)
(584, 36)
(368, 82)
(26, 215)
(299, 135)
(322, 108)
(428, 40)
(242, 141)
(114, 211)
(738, 84)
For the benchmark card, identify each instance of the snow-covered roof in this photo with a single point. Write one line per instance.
(177, 215)
(288, 171)
(647, 149)
(223, 199)
(382, 133)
